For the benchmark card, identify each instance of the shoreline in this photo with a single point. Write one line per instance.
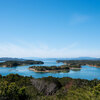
(32, 69)
(75, 68)
(93, 65)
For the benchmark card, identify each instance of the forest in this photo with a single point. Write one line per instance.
(95, 63)
(19, 63)
(62, 68)
(49, 69)
(16, 87)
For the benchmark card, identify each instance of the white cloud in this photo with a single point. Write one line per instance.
(78, 18)
(13, 50)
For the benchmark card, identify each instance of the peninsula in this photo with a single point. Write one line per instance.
(19, 63)
(94, 63)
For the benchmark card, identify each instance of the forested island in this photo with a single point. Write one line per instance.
(19, 63)
(49, 69)
(16, 87)
(62, 68)
(94, 63)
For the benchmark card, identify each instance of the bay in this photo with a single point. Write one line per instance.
(87, 72)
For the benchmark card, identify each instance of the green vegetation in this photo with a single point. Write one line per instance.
(49, 69)
(95, 63)
(62, 68)
(15, 87)
(19, 63)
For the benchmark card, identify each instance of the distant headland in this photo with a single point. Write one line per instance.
(19, 63)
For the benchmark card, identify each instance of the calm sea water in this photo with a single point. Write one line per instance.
(86, 72)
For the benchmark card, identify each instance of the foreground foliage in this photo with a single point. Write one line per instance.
(15, 87)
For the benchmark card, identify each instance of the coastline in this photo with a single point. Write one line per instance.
(32, 69)
(93, 65)
(75, 68)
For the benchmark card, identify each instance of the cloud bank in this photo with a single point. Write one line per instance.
(30, 50)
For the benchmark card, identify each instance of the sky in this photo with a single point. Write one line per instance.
(50, 28)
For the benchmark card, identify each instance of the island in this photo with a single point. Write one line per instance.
(62, 68)
(19, 63)
(68, 65)
(94, 63)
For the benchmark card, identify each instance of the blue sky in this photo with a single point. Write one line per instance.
(49, 28)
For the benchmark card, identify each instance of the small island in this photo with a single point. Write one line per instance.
(19, 63)
(62, 68)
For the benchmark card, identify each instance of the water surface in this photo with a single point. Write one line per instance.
(87, 72)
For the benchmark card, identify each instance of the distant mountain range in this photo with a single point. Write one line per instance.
(78, 58)
(37, 58)
(11, 59)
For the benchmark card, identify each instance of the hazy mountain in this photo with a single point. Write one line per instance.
(78, 58)
(11, 59)
(38, 58)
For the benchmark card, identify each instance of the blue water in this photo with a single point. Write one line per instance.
(86, 72)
